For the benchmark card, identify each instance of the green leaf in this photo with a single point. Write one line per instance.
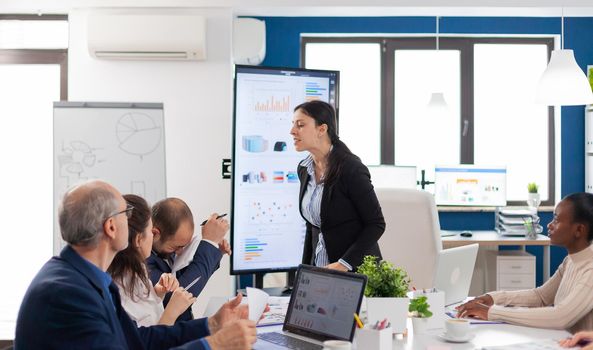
(383, 279)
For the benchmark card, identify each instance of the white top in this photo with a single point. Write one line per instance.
(145, 310)
(563, 302)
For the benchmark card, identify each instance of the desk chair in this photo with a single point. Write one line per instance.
(412, 237)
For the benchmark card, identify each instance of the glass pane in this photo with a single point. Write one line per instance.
(422, 137)
(33, 34)
(360, 93)
(510, 128)
(27, 186)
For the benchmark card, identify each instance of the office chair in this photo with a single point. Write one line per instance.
(412, 238)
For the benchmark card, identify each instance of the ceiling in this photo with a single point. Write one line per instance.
(328, 7)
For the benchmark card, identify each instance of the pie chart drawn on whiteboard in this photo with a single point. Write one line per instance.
(138, 134)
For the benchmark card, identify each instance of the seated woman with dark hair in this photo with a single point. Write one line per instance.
(142, 301)
(565, 301)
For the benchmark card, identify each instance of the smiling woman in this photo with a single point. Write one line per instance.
(563, 302)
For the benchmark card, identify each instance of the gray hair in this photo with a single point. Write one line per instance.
(83, 212)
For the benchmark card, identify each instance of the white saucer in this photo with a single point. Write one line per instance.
(448, 338)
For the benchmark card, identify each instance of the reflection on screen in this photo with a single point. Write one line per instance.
(325, 303)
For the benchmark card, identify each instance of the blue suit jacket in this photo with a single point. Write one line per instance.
(65, 307)
(206, 260)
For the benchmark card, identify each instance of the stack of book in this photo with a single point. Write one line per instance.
(511, 221)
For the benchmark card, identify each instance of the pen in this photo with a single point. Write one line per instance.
(218, 217)
(358, 321)
(192, 283)
(486, 322)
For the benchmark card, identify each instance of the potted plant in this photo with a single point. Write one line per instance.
(385, 292)
(420, 313)
(533, 199)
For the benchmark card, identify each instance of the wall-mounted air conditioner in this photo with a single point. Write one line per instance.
(146, 36)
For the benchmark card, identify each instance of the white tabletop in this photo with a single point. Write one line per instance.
(485, 335)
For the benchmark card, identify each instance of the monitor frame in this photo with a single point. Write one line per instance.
(256, 69)
(470, 167)
(319, 270)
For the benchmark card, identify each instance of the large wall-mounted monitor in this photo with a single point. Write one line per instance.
(267, 231)
(470, 185)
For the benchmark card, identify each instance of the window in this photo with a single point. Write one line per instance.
(358, 82)
(32, 79)
(474, 74)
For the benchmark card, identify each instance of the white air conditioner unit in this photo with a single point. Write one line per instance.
(147, 36)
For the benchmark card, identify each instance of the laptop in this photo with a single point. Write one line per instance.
(321, 307)
(455, 267)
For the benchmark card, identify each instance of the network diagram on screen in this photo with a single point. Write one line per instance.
(267, 229)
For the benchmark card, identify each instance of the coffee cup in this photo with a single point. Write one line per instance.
(337, 345)
(457, 328)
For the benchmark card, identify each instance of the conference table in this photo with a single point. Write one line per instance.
(485, 335)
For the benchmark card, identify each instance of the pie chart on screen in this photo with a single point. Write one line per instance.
(138, 134)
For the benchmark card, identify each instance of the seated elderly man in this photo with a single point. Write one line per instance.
(72, 303)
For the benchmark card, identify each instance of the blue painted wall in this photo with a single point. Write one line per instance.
(283, 49)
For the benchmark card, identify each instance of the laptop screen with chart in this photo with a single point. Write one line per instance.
(470, 185)
(323, 303)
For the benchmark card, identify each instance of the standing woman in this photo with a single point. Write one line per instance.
(337, 199)
(142, 301)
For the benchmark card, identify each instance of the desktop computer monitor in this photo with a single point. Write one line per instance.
(470, 185)
(267, 230)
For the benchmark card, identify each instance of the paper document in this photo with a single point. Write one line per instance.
(277, 313)
(257, 299)
(546, 344)
(187, 255)
(453, 314)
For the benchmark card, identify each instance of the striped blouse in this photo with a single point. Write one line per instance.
(311, 208)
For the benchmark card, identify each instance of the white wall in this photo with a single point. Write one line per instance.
(197, 98)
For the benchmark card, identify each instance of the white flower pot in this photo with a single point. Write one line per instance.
(395, 310)
(533, 201)
(420, 324)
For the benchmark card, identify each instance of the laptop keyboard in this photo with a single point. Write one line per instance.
(288, 342)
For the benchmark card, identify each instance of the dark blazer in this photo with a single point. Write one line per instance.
(206, 260)
(351, 217)
(65, 307)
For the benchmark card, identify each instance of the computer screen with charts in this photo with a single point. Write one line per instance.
(470, 185)
(324, 302)
(267, 231)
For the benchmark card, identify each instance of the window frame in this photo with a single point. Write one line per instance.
(39, 56)
(465, 45)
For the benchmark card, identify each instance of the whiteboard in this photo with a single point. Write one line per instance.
(120, 143)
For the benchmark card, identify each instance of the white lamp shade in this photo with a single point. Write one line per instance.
(563, 82)
(437, 101)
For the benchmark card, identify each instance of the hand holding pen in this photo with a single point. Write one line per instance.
(215, 228)
(217, 217)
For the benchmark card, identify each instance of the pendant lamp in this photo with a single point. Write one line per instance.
(437, 104)
(563, 82)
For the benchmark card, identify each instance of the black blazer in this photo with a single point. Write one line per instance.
(351, 217)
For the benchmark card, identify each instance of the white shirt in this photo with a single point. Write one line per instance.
(145, 310)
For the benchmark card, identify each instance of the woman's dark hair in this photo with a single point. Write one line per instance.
(582, 210)
(324, 113)
(128, 266)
